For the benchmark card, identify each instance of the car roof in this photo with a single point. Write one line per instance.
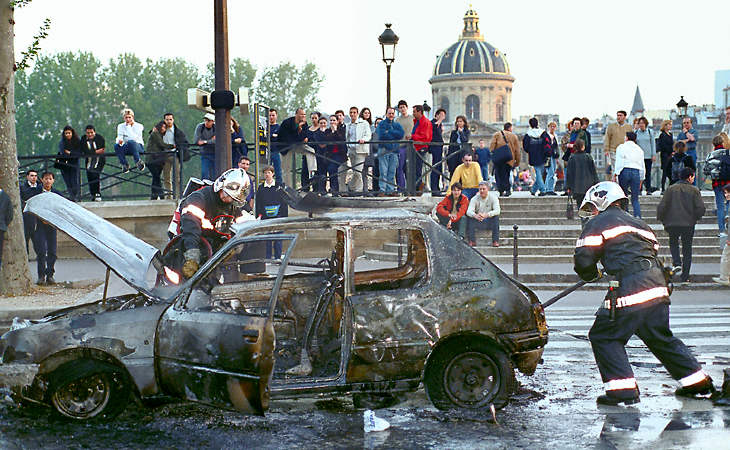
(353, 215)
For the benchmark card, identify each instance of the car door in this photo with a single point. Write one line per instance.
(215, 345)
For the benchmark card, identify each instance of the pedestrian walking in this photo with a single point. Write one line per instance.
(645, 139)
(29, 188)
(679, 210)
(534, 145)
(505, 148)
(717, 166)
(724, 276)
(630, 169)
(678, 161)
(581, 173)
(552, 153)
(665, 148)
(615, 134)
(44, 239)
(639, 303)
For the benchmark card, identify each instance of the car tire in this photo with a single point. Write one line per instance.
(88, 389)
(469, 374)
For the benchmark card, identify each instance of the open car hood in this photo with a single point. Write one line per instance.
(126, 255)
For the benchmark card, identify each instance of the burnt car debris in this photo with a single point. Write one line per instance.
(322, 319)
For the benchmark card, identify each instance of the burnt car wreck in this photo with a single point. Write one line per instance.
(321, 319)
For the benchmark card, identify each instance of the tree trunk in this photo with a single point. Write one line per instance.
(15, 271)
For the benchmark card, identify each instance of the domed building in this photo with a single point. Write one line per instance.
(472, 78)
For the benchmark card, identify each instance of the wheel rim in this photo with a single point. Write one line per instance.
(471, 380)
(84, 398)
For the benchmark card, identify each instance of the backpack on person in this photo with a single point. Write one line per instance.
(717, 165)
(677, 166)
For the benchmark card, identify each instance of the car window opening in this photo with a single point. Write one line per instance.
(408, 270)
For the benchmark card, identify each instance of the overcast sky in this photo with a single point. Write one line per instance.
(568, 57)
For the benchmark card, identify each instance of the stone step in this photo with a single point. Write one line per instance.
(691, 286)
(489, 251)
(529, 240)
(572, 231)
(556, 220)
(568, 279)
(568, 259)
(534, 213)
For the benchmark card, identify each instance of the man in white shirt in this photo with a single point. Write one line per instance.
(129, 141)
(483, 214)
(630, 169)
(358, 130)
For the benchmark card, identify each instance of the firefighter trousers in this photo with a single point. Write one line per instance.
(651, 325)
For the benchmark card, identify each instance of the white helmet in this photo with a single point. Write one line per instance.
(235, 183)
(600, 196)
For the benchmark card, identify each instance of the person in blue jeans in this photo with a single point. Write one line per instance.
(630, 170)
(388, 130)
(129, 141)
(205, 138)
(483, 157)
(274, 151)
(689, 136)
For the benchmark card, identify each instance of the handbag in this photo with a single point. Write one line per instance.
(569, 213)
(502, 154)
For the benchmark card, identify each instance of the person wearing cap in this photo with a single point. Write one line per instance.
(483, 214)
(452, 209)
(205, 139)
(679, 210)
(638, 299)
(225, 197)
(629, 170)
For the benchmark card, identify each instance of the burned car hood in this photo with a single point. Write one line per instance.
(126, 255)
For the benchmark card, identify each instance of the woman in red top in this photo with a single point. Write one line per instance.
(452, 209)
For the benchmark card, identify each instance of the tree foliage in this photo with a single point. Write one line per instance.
(288, 87)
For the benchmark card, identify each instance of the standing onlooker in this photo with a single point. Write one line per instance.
(129, 141)
(615, 136)
(502, 169)
(533, 144)
(292, 132)
(175, 136)
(406, 122)
(678, 161)
(422, 132)
(645, 140)
(320, 150)
(6, 215)
(459, 136)
(630, 170)
(437, 150)
(270, 205)
(155, 155)
(44, 239)
(483, 214)
(358, 130)
(452, 209)
(29, 188)
(576, 132)
(483, 158)
(69, 149)
(368, 179)
(244, 164)
(238, 142)
(720, 177)
(680, 208)
(335, 155)
(388, 130)
(552, 152)
(665, 147)
(688, 136)
(468, 174)
(205, 138)
(93, 146)
(581, 173)
(584, 122)
(312, 136)
(724, 277)
(274, 151)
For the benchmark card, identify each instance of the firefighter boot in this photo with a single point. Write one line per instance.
(703, 387)
(722, 397)
(617, 396)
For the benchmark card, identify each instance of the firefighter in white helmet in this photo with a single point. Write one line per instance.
(199, 209)
(639, 304)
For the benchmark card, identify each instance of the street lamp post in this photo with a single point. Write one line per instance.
(682, 106)
(388, 39)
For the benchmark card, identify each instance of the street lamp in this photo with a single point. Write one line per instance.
(682, 106)
(426, 109)
(388, 39)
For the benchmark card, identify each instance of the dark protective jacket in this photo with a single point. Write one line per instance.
(680, 206)
(198, 212)
(581, 173)
(627, 248)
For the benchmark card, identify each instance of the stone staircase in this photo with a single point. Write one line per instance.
(546, 241)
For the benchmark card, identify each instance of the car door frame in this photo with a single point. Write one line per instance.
(187, 367)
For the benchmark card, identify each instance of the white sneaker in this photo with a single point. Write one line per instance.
(723, 281)
(373, 423)
(97, 198)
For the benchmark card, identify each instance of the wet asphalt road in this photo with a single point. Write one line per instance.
(555, 408)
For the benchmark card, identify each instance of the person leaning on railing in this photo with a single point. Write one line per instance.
(69, 150)
(93, 146)
(155, 155)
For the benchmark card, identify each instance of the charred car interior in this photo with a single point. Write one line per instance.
(322, 318)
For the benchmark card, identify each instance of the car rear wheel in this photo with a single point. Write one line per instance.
(89, 390)
(469, 374)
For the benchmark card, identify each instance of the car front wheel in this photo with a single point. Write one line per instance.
(469, 374)
(89, 389)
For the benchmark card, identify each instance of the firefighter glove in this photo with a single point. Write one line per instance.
(192, 262)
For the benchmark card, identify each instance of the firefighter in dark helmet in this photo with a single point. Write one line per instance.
(638, 299)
